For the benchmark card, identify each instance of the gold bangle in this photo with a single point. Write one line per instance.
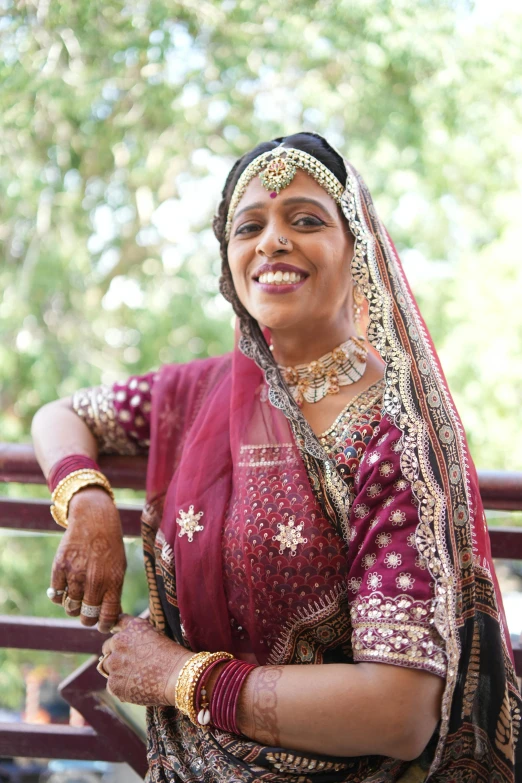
(188, 679)
(69, 486)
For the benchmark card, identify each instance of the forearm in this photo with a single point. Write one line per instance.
(341, 709)
(58, 431)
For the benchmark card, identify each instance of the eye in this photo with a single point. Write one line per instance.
(309, 220)
(247, 228)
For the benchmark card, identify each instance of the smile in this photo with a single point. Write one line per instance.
(280, 278)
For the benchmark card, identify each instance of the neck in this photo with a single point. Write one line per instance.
(307, 345)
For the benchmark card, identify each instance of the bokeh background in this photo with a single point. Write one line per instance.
(118, 124)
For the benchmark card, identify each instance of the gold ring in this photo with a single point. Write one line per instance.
(100, 668)
(70, 604)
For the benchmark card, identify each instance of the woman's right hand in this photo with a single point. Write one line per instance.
(90, 560)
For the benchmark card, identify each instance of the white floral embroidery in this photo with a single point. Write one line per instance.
(189, 523)
(354, 584)
(405, 581)
(290, 537)
(421, 562)
(374, 580)
(373, 457)
(411, 540)
(397, 518)
(386, 469)
(383, 539)
(373, 523)
(373, 490)
(360, 510)
(396, 446)
(393, 560)
(368, 561)
(401, 484)
(382, 438)
(352, 534)
(387, 502)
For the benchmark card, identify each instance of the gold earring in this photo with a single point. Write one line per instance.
(358, 300)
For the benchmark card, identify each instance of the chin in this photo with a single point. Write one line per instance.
(277, 318)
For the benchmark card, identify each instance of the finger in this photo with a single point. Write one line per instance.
(73, 599)
(107, 647)
(58, 582)
(110, 611)
(92, 596)
(124, 620)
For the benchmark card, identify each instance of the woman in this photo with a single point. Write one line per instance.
(311, 500)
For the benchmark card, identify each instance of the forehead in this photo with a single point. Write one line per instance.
(302, 185)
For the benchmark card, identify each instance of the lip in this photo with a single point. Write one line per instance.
(279, 266)
(287, 288)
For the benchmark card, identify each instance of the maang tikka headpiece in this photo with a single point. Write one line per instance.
(276, 169)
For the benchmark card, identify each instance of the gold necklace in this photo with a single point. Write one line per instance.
(340, 367)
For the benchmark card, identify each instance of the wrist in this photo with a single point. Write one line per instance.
(170, 688)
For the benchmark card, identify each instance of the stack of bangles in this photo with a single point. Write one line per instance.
(67, 477)
(191, 694)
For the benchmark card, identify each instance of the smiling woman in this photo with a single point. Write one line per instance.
(323, 601)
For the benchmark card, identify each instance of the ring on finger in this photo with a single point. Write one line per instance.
(52, 593)
(70, 604)
(100, 667)
(88, 610)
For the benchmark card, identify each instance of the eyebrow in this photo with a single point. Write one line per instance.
(292, 200)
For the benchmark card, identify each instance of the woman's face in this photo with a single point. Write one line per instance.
(314, 264)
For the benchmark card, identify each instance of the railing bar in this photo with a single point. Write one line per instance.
(54, 741)
(44, 633)
(18, 464)
(33, 515)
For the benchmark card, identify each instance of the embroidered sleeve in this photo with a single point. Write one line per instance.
(392, 597)
(118, 416)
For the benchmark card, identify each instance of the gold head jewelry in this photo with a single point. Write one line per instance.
(276, 169)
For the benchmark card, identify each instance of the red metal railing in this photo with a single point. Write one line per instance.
(109, 736)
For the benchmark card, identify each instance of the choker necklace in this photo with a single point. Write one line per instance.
(341, 367)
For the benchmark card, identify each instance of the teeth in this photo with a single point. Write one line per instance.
(280, 278)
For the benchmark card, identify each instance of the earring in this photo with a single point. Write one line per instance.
(283, 240)
(358, 300)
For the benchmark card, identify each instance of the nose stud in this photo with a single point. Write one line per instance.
(283, 240)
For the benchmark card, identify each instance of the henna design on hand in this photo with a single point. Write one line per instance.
(90, 560)
(263, 704)
(143, 664)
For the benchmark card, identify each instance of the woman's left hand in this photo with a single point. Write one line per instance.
(142, 664)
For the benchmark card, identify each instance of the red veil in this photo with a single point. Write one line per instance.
(195, 460)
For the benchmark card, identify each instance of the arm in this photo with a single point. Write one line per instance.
(58, 431)
(334, 709)
(342, 709)
(90, 560)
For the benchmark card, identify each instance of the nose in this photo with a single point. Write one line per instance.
(269, 244)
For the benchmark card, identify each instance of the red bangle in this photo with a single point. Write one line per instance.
(219, 695)
(201, 684)
(67, 465)
(225, 695)
(239, 679)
